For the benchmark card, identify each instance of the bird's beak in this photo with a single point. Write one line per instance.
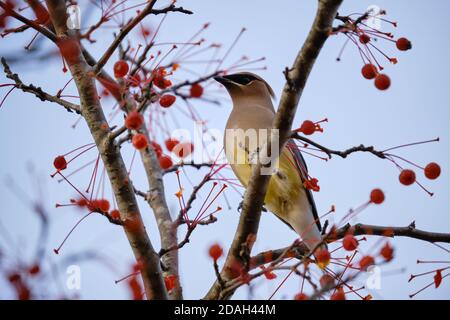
(224, 81)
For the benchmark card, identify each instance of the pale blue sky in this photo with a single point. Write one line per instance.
(414, 108)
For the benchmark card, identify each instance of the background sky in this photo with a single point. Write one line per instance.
(415, 108)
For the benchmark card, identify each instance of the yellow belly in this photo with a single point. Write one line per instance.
(285, 184)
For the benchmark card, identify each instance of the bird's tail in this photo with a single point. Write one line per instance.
(302, 221)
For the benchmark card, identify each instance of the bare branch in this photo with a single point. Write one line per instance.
(37, 91)
(28, 22)
(342, 154)
(189, 164)
(130, 26)
(299, 249)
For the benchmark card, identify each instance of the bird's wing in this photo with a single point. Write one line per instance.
(303, 169)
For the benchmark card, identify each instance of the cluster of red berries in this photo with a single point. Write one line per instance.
(370, 71)
(96, 205)
(382, 81)
(386, 252)
(179, 149)
(432, 171)
(364, 38)
(326, 282)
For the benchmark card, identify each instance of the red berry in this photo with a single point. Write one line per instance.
(139, 141)
(338, 295)
(115, 214)
(382, 82)
(167, 100)
(196, 90)
(407, 177)
(369, 71)
(121, 69)
(387, 252)
(323, 257)
(377, 196)
(157, 147)
(403, 44)
(366, 262)
(134, 120)
(326, 280)
(184, 149)
(215, 251)
(308, 127)
(301, 296)
(432, 171)
(171, 143)
(165, 162)
(103, 205)
(364, 38)
(60, 163)
(350, 243)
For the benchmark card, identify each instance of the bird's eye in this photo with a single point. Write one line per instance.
(246, 80)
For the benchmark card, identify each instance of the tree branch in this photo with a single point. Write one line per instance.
(50, 35)
(112, 159)
(342, 154)
(156, 194)
(130, 26)
(37, 91)
(257, 186)
(299, 250)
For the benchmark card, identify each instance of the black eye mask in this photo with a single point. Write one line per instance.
(243, 79)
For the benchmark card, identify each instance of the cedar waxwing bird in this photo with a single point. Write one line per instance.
(253, 113)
